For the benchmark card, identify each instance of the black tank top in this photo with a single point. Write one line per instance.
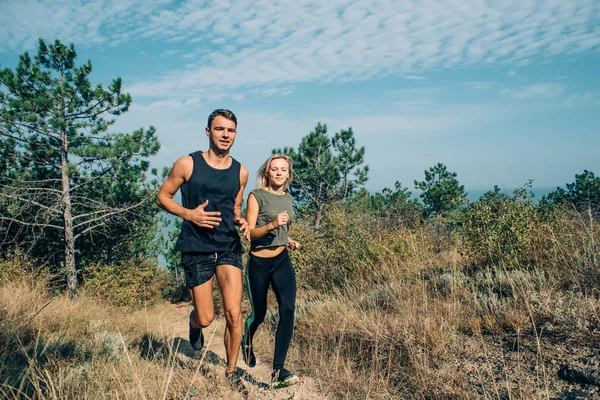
(219, 187)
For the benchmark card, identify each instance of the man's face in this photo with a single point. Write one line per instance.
(221, 133)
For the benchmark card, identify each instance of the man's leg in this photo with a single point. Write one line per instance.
(230, 283)
(199, 269)
(204, 308)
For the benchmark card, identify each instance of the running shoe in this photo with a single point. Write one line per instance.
(234, 380)
(196, 338)
(283, 378)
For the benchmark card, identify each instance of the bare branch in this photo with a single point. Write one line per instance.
(106, 213)
(306, 191)
(35, 203)
(89, 228)
(31, 189)
(30, 223)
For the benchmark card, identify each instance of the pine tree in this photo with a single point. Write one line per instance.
(70, 177)
(325, 170)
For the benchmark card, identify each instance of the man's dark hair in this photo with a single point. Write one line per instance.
(223, 113)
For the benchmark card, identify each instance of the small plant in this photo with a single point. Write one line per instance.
(502, 229)
(134, 283)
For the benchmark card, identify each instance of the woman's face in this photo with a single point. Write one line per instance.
(278, 172)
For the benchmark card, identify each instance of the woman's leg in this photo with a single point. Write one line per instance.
(284, 286)
(257, 283)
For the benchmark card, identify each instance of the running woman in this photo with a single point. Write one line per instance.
(269, 214)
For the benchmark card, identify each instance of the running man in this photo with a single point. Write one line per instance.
(212, 186)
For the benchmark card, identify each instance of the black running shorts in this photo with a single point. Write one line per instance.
(199, 267)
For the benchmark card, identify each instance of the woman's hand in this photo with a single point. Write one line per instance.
(282, 219)
(292, 244)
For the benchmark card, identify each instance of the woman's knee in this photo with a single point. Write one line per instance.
(286, 310)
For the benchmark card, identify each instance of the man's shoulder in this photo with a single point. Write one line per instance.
(186, 159)
(243, 173)
(183, 165)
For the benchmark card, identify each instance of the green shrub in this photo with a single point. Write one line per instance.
(502, 229)
(334, 253)
(133, 282)
(16, 267)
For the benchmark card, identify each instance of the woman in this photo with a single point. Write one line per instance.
(269, 214)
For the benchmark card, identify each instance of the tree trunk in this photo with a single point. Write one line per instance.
(68, 218)
(318, 217)
(345, 185)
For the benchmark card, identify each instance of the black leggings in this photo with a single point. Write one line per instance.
(278, 272)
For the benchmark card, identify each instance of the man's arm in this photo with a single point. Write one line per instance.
(179, 174)
(237, 207)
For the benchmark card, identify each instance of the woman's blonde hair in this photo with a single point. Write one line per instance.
(262, 179)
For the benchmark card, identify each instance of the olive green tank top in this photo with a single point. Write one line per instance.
(269, 206)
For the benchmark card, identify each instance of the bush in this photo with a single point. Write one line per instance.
(332, 254)
(135, 282)
(16, 267)
(502, 229)
(570, 247)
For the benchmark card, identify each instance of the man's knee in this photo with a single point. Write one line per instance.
(203, 318)
(233, 316)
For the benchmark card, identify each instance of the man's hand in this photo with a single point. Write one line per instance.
(244, 227)
(292, 244)
(204, 219)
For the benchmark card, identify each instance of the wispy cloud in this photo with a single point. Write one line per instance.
(247, 44)
(415, 78)
(171, 52)
(585, 99)
(537, 91)
(481, 84)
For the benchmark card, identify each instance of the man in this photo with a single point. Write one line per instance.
(212, 186)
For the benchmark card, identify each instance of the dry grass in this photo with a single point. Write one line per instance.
(57, 348)
(414, 319)
(399, 314)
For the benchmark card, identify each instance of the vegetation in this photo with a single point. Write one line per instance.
(398, 297)
(66, 182)
(326, 171)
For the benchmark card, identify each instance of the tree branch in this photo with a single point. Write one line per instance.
(35, 203)
(107, 213)
(30, 223)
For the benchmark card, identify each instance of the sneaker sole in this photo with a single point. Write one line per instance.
(289, 382)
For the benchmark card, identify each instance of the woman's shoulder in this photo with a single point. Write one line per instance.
(257, 192)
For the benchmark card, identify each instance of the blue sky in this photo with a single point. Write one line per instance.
(501, 92)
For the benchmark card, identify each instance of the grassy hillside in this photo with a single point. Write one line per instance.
(507, 305)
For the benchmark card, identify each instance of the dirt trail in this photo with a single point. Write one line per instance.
(212, 359)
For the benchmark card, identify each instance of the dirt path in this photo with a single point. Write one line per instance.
(212, 362)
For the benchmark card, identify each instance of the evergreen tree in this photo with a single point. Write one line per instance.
(583, 194)
(71, 183)
(394, 205)
(441, 191)
(325, 170)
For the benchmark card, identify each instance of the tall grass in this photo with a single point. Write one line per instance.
(399, 314)
(57, 348)
(430, 311)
